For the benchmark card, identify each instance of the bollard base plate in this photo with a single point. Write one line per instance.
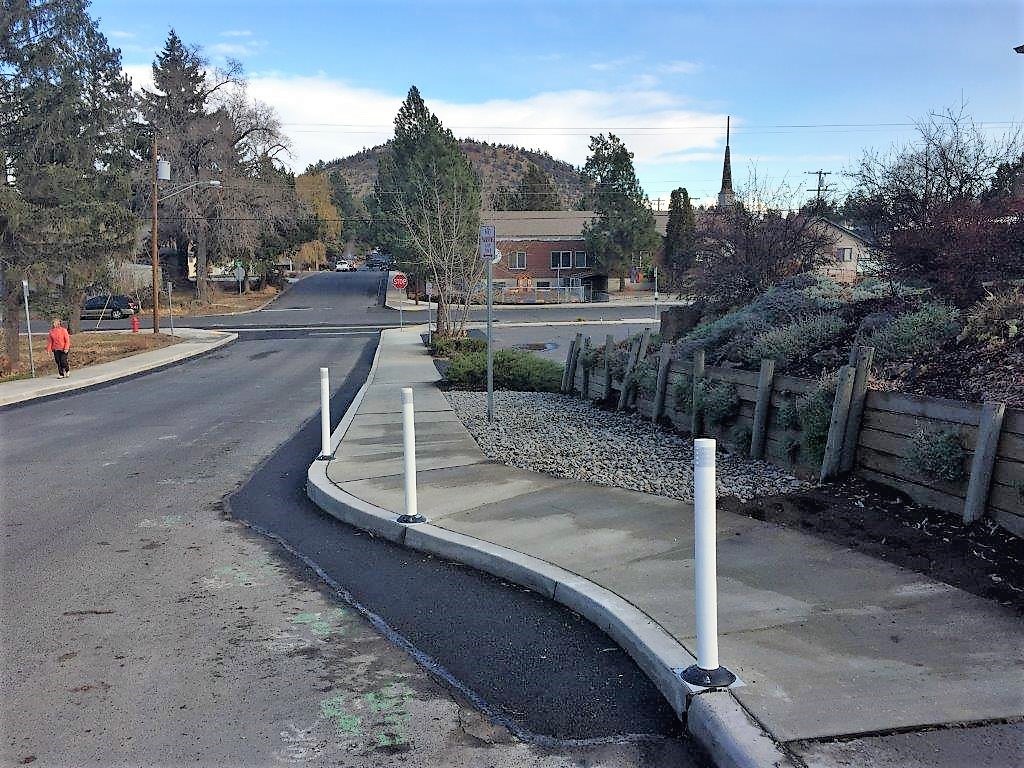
(697, 679)
(411, 519)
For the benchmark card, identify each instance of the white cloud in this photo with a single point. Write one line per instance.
(239, 49)
(120, 34)
(329, 118)
(680, 68)
(613, 64)
(236, 33)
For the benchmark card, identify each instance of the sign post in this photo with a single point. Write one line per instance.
(28, 323)
(170, 309)
(430, 291)
(655, 293)
(400, 281)
(487, 251)
(239, 276)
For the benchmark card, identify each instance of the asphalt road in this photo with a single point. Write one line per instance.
(142, 625)
(330, 299)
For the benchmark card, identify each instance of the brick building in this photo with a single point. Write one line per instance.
(544, 256)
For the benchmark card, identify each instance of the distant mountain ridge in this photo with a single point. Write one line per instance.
(497, 164)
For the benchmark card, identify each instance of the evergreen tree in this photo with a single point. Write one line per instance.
(67, 127)
(680, 234)
(180, 80)
(625, 224)
(429, 196)
(535, 192)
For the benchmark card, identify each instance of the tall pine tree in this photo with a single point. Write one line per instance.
(680, 234)
(429, 194)
(67, 127)
(625, 224)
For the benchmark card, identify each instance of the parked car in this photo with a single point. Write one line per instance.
(116, 307)
(343, 266)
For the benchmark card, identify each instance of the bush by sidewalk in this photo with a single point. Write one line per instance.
(448, 347)
(514, 369)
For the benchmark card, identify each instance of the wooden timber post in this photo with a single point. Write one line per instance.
(639, 347)
(837, 424)
(665, 359)
(577, 348)
(984, 460)
(568, 361)
(645, 344)
(759, 431)
(862, 357)
(587, 368)
(634, 347)
(697, 378)
(609, 347)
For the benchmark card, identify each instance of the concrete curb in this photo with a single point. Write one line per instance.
(84, 380)
(714, 719)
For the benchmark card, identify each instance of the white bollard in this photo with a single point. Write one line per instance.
(325, 415)
(707, 672)
(412, 514)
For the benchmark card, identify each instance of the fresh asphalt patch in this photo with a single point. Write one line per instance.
(526, 662)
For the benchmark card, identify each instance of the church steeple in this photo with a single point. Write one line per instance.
(726, 196)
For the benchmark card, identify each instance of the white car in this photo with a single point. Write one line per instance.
(343, 266)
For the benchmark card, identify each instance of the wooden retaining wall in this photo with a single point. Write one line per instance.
(879, 447)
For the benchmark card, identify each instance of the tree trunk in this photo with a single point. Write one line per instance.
(202, 267)
(622, 283)
(442, 328)
(75, 299)
(12, 322)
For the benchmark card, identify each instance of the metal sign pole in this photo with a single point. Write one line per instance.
(170, 308)
(490, 345)
(655, 293)
(28, 323)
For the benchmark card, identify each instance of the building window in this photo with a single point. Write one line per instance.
(543, 284)
(844, 254)
(581, 260)
(561, 259)
(499, 285)
(517, 260)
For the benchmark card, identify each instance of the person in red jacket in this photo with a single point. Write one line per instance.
(59, 342)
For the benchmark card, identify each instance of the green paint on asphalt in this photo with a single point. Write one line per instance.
(333, 709)
(322, 623)
(382, 716)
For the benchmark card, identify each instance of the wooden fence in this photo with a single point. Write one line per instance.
(869, 432)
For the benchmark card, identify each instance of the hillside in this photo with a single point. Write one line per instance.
(497, 164)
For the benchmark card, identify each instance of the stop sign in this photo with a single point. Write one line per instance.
(400, 281)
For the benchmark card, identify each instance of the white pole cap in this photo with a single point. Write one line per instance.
(703, 453)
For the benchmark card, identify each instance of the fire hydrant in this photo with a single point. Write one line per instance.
(135, 323)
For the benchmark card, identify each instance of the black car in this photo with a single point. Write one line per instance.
(100, 307)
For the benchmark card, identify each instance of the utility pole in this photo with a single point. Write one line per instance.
(822, 186)
(153, 246)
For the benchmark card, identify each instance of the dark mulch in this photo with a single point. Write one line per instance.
(982, 558)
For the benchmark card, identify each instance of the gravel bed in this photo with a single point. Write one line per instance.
(568, 437)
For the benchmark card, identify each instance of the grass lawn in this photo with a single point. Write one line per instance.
(86, 349)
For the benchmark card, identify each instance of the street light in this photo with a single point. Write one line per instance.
(162, 172)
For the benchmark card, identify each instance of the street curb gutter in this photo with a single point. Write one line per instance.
(88, 382)
(715, 720)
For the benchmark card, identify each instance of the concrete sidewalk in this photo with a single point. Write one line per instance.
(832, 644)
(195, 341)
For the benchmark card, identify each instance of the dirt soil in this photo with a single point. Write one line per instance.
(982, 558)
(88, 348)
(221, 302)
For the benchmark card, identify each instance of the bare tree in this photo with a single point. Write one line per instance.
(926, 208)
(744, 249)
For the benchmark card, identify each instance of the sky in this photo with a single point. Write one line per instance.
(808, 86)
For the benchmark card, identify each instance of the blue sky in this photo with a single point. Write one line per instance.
(662, 75)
